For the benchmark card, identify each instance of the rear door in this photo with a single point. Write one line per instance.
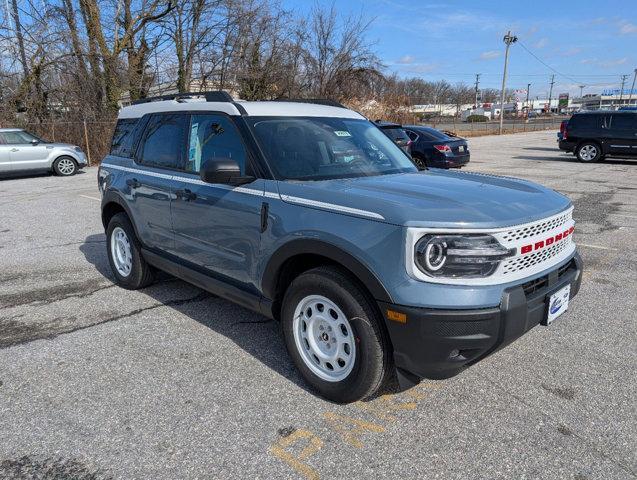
(623, 130)
(218, 227)
(150, 185)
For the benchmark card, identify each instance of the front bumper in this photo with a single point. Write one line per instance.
(433, 343)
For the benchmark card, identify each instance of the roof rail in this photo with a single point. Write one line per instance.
(318, 101)
(211, 96)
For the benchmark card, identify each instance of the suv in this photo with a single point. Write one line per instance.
(309, 214)
(21, 152)
(594, 135)
(397, 133)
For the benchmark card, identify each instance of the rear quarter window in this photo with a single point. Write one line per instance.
(396, 133)
(584, 121)
(124, 137)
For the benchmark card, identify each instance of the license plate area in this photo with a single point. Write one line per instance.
(557, 304)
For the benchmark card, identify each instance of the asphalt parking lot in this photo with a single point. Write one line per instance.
(172, 382)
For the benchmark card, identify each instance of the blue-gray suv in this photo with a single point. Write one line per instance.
(307, 213)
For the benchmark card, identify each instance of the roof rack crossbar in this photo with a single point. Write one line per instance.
(210, 96)
(318, 101)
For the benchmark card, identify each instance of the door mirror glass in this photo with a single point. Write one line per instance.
(34, 142)
(222, 170)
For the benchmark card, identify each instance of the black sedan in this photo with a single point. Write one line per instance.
(433, 148)
(397, 134)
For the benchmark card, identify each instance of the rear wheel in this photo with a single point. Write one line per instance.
(65, 166)
(588, 152)
(124, 254)
(335, 335)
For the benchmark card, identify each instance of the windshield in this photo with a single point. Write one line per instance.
(317, 148)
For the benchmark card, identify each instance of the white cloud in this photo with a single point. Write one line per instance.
(490, 55)
(627, 28)
(570, 52)
(613, 63)
(406, 60)
(541, 43)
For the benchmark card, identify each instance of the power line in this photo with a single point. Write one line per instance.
(546, 64)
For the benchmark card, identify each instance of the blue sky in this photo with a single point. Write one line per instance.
(587, 42)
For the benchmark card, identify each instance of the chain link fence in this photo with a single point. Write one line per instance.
(511, 125)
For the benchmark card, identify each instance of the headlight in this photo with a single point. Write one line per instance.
(453, 256)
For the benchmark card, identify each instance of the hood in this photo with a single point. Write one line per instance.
(433, 198)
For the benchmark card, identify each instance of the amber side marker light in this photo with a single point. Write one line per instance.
(397, 316)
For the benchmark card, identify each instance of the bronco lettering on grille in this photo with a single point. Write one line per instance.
(546, 242)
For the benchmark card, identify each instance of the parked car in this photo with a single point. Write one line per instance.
(592, 136)
(397, 133)
(433, 148)
(309, 214)
(22, 152)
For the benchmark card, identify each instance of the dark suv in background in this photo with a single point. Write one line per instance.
(433, 148)
(397, 133)
(591, 136)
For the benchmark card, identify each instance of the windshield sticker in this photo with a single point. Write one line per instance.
(342, 133)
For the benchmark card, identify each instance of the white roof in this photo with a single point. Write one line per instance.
(283, 109)
(11, 130)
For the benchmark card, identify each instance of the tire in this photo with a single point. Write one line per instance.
(419, 161)
(365, 362)
(64, 166)
(139, 274)
(588, 152)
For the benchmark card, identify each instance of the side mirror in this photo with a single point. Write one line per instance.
(35, 142)
(223, 170)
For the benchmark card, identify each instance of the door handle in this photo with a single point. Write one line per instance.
(133, 183)
(185, 194)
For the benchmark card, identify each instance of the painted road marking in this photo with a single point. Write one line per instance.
(92, 198)
(280, 450)
(596, 246)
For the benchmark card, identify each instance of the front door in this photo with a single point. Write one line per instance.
(624, 134)
(217, 227)
(150, 184)
(26, 152)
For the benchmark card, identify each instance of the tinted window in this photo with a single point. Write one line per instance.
(213, 136)
(433, 134)
(584, 121)
(123, 137)
(163, 141)
(413, 136)
(396, 134)
(19, 137)
(624, 122)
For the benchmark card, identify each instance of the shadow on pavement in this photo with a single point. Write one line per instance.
(254, 333)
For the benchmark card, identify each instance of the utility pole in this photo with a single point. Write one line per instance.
(475, 105)
(621, 90)
(630, 94)
(528, 90)
(508, 40)
(551, 92)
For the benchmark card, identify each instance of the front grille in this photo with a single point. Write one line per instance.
(536, 229)
(516, 264)
(541, 282)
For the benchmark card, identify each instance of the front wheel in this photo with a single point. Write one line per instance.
(65, 166)
(335, 335)
(588, 152)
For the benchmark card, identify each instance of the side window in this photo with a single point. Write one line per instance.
(123, 137)
(214, 136)
(163, 140)
(624, 122)
(413, 136)
(17, 138)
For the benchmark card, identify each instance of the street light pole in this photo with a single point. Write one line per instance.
(581, 90)
(630, 94)
(621, 90)
(508, 40)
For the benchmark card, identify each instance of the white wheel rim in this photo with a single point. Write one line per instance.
(121, 252)
(66, 166)
(324, 338)
(588, 152)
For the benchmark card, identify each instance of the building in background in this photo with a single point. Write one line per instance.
(607, 100)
